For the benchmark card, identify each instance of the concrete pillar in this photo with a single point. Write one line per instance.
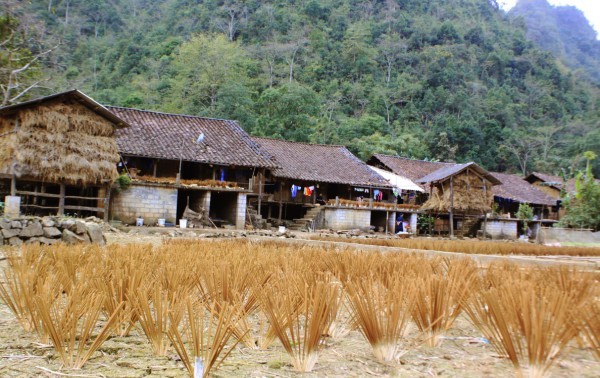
(240, 219)
(392, 222)
(413, 223)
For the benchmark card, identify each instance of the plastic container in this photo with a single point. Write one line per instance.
(161, 222)
(139, 222)
(183, 223)
(282, 229)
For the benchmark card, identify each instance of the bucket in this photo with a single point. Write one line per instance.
(282, 229)
(139, 222)
(161, 222)
(183, 223)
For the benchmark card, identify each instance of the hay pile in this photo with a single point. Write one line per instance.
(61, 142)
(469, 196)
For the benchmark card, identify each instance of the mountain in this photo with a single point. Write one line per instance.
(431, 79)
(564, 31)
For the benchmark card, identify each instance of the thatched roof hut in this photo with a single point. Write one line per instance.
(464, 188)
(62, 138)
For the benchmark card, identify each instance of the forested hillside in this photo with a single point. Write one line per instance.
(431, 79)
(564, 31)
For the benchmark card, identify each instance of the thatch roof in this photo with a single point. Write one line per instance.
(71, 95)
(515, 188)
(174, 136)
(446, 172)
(468, 194)
(67, 137)
(320, 163)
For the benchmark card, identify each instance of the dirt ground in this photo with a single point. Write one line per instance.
(462, 354)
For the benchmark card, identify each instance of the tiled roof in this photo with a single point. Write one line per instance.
(174, 136)
(410, 168)
(320, 163)
(517, 189)
(552, 181)
(451, 170)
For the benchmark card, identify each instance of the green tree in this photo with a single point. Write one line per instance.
(583, 208)
(202, 68)
(288, 112)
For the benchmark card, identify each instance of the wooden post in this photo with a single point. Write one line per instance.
(260, 189)
(155, 166)
(451, 207)
(61, 200)
(13, 185)
(43, 190)
(387, 221)
(107, 203)
(485, 215)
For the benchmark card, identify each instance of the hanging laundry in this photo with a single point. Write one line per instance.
(222, 175)
(308, 191)
(295, 190)
(375, 194)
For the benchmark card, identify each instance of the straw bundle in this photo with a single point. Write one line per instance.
(206, 297)
(69, 321)
(62, 142)
(528, 318)
(440, 296)
(468, 196)
(206, 333)
(235, 285)
(382, 312)
(156, 314)
(300, 318)
(591, 326)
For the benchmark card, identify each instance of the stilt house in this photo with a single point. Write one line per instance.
(179, 161)
(352, 195)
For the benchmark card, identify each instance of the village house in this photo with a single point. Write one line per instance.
(58, 155)
(179, 161)
(324, 186)
(507, 191)
(457, 195)
(513, 192)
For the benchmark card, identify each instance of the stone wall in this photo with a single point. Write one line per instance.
(49, 230)
(339, 218)
(502, 228)
(146, 201)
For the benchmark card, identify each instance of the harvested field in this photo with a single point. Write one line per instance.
(255, 308)
(470, 246)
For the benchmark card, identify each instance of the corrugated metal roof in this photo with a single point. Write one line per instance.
(320, 163)
(174, 136)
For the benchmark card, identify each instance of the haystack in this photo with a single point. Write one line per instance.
(469, 195)
(59, 142)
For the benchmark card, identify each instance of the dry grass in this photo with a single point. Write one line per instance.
(203, 299)
(474, 247)
(469, 195)
(62, 142)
